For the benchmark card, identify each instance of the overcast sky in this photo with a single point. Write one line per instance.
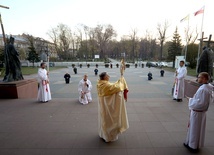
(36, 17)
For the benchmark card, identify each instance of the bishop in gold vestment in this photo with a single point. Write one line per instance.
(112, 115)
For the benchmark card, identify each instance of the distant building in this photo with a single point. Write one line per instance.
(43, 47)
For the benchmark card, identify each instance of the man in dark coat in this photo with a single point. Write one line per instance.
(149, 76)
(67, 78)
(75, 70)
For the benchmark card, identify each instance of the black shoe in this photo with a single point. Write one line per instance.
(174, 99)
(179, 100)
(191, 149)
(186, 145)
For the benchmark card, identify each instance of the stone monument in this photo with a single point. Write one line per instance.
(205, 62)
(13, 85)
(12, 63)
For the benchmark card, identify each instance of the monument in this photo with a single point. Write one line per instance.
(13, 84)
(12, 62)
(205, 64)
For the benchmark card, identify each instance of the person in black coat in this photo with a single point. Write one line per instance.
(75, 70)
(162, 72)
(67, 78)
(149, 76)
(95, 71)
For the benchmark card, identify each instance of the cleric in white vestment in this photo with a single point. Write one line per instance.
(198, 106)
(181, 73)
(84, 89)
(44, 93)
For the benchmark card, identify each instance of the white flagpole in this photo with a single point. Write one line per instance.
(187, 40)
(199, 46)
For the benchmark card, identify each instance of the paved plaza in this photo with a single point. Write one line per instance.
(62, 126)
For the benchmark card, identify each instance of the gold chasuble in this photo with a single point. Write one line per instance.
(112, 115)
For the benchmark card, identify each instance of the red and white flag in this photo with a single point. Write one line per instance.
(199, 11)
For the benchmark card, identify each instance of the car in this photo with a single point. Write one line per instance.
(187, 64)
(163, 64)
(151, 64)
(51, 64)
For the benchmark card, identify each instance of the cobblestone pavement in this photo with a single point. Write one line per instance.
(158, 124)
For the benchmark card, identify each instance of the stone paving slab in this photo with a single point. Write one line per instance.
(62, 126)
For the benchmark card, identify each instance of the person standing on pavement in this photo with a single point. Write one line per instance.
(75, 70)
(180, 75)
(84, 89)
(44, 93)
(162, 72)
(112, 114)
(96, 71)
(198, 106)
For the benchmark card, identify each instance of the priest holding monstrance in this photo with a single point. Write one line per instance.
(112, 115)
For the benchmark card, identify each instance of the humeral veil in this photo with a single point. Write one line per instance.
(112, 114)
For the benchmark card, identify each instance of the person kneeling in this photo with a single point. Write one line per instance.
(84, 89)
(149, 76)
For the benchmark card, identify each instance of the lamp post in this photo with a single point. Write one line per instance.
(48, 54)
(45, 53)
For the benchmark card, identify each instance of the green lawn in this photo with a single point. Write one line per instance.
(29, 70)
(34, 70)
(190, 72)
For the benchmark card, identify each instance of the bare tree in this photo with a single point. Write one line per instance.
(162, 35)
(79, 42)
(53, 34)
(61, 36)
(134, 40)
(190, 37)
(103, 34)
(92, 42)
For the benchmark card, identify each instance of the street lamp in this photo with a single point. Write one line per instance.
(47, 52)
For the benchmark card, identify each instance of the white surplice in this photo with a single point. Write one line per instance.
(179, 83)
(44, 93)
(198, 106)
(82, 87)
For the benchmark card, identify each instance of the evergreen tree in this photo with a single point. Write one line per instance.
(192, 55)
(32, 54)
(175, 47)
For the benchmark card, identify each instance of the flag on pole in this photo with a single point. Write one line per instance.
(185, 18)
(199, 11)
